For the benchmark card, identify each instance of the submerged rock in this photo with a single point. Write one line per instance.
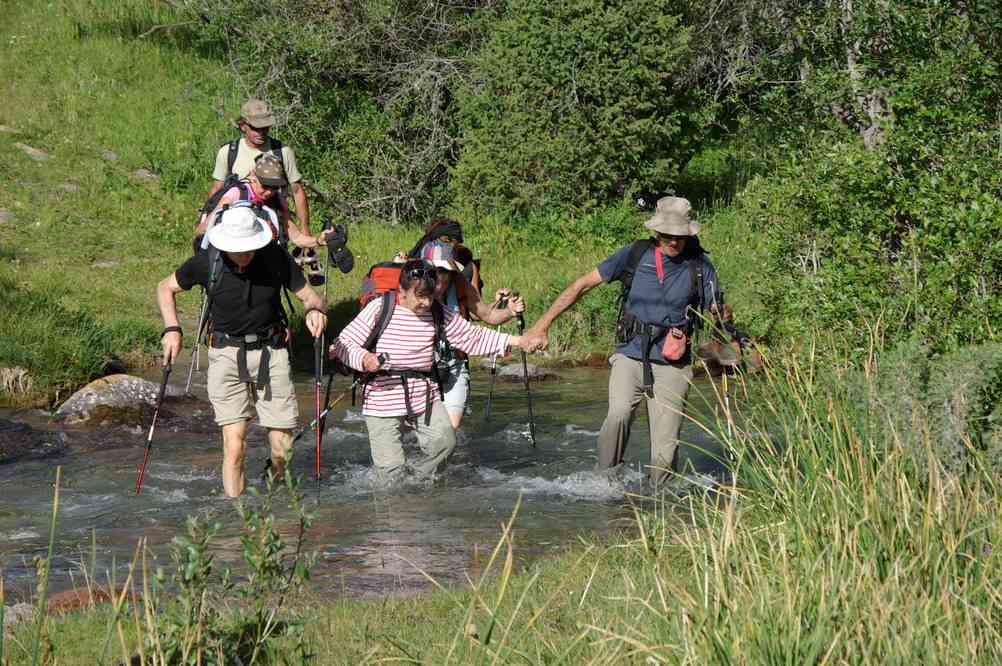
(19, 441)
(513, 373)
(115, 398)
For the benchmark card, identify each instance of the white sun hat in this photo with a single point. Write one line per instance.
(239, 230)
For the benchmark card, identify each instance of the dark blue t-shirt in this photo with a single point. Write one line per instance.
(653, 302)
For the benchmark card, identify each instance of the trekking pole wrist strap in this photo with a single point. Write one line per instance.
(309, 310)
(172, 329)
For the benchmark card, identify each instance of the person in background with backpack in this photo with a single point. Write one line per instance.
(235, 161)
(261, 189)
(666, 281)
(457, 295)
(243, 274)
(406, 325)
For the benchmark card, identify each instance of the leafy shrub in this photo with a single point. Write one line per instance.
(576, 104)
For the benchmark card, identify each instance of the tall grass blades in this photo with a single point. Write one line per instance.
(43, 584)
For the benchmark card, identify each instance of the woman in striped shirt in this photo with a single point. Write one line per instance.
(403, 393)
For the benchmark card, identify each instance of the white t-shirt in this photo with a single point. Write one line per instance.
(245, 161)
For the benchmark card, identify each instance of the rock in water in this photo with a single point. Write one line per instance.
(115, 398)
(513, 373)
(19, 441)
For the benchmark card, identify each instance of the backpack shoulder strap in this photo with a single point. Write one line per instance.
(231, 155)
(637, 251)
(215, 270)
(276, 147)
(438, 317)
(388, 304)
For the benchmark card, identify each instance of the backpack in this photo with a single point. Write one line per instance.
(694, 262)
(233, 147)
(233, 180)
(386, 308)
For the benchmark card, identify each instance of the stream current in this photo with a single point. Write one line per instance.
(371, 542)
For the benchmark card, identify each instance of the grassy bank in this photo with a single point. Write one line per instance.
(843, 540)
(84, 239)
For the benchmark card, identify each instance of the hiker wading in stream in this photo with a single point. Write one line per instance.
(455, 293)
(666, 281)
(404, 393)
(248, 357)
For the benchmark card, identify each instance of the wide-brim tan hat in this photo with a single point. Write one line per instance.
(239, 230)
(257, 113)
(672, 218)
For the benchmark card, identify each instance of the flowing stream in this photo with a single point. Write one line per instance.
(370, 541)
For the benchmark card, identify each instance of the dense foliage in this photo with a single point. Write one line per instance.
(875, 130)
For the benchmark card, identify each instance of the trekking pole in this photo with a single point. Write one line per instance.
(318, 353)
(153, 424)
(203, 312)
(525, 377)
(494, 367)
(383, 358)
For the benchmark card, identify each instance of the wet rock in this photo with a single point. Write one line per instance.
(513, 373)
(33, 153)
(8, 130)
(19, 441)
(104, 264)
(71, 188)
(5, 216)
(113, 399)
(145, 174)
(17, 614)
(109, 155)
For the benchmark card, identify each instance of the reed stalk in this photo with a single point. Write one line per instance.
(43, 590)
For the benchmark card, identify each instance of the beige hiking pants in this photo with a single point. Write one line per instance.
(437, 440)
(664, 411)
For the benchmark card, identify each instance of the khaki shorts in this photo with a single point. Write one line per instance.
(276, 404)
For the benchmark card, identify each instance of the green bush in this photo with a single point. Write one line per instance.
(575, 104)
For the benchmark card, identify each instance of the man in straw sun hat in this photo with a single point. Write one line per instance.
(243, 273)
(666, 280)
(235, 160)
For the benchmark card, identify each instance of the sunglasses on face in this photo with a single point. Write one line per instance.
(259, 130)
(669, 237)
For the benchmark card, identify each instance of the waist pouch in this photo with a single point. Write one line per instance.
(273, 338)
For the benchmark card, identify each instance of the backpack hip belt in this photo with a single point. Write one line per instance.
(406, 374)
(272, 338)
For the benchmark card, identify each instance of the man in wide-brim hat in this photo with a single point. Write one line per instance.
(243, 274)
(666, 281)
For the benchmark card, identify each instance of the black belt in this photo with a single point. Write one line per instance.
(405, 375)
(273, 338)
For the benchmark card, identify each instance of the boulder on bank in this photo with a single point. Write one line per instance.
(117, 398)
(513, 373)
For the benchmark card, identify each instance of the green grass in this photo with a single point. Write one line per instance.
(843, 541)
